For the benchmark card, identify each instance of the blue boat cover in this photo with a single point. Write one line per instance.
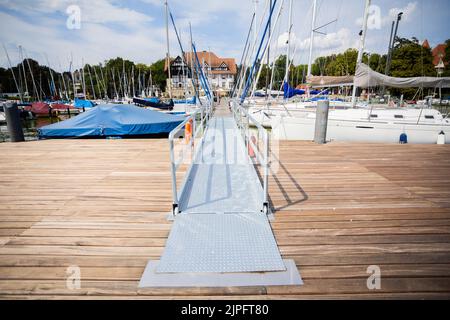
(113, 120)
(81, 103)
(154, 103)
(154, 100)
(192, 100)
(289, 92)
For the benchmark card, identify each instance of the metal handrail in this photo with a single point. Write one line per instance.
(205, 113)
(243, 120)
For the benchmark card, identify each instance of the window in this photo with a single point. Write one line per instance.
(374, 116)
(429, 117)
(398, 116)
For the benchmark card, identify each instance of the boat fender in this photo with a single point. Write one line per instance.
(441, 138)
(251, 152)
(403, 138)
(188, 131)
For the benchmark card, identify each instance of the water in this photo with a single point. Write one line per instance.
(30, 128)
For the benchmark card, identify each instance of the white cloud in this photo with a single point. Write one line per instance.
(408, 13)
(97, 11)
(93, 42)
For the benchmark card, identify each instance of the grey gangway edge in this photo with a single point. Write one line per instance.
(221, 235)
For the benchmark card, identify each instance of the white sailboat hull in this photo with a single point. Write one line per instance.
(289, 128)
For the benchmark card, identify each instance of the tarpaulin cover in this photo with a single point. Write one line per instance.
(154, 103)
(60, 106)
(366, 77)
(39, 108)
(80, 103)
(289, 92)
(154, 100)
(113, 120)
(192, 100)
(328, 81)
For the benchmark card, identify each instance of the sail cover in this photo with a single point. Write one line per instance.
(113, 120)
(328, 81)
(82, 103)
(366, 77)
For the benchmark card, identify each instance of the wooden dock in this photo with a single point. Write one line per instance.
(101, 205)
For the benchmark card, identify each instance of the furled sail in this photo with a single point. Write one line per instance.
(366, 77)
(328, 81)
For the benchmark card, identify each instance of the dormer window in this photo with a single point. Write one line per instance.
(374, 116)
(398, 116)
(223, 67)
(429, 117)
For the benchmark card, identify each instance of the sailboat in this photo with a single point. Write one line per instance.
(382, 124)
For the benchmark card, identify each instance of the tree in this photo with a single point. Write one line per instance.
(158, 74)
(410, 59)
(342, 64)
(447, 58)
(265, 71)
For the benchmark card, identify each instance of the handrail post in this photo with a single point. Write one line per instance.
(175, 208)
(266, 173)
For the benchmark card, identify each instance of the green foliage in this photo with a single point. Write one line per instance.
(447, 58)
(342, 64)
(98, 78)
(158, 74)
(410, 59)
(265, 75)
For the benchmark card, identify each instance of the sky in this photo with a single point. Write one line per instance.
(135, 29)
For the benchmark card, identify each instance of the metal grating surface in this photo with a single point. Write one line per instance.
(219, 188)
(221, 243)
(222, 180)
(152, 279)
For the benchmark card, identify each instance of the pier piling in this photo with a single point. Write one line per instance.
(320, 134)
(13, 122)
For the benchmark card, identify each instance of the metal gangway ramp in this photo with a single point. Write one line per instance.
(221, 234)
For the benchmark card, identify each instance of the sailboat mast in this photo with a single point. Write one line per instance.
(51, 76)
(151, 83)
(83, 77)
(286, 79)
(14, 76)
(63, 80)
(362, 42)
(114, 83)
(268, 55)
(132, 81)
(311, 43)
(194, 82)
(168, 50)
(139, 82)
(38, 94)
(23, 69)
(104, 83)
(92, 83)
(255, 32)
(98, 82)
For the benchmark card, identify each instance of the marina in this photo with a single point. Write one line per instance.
(338, 208)
(311, 168)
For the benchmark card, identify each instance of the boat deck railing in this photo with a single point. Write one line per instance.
(181, 149)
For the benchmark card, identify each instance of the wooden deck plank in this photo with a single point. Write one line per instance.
(102, 205)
